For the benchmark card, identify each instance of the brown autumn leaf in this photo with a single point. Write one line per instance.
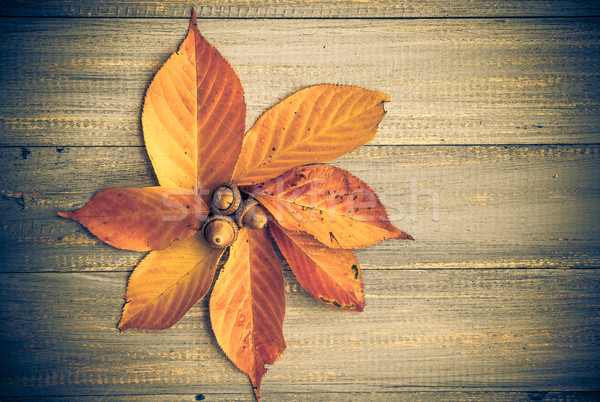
(247, 305)
(141, 219)
(167, 283)
(331, 204)
(316, 124)
(332, 276)
(194, 117)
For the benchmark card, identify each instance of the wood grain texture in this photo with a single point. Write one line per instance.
(473, 330)
(414, 396)
(68, 82)
(299, 8)
(467, 207)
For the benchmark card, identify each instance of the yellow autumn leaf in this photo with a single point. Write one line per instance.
(194, 117)
(316, 124)
(167, 283)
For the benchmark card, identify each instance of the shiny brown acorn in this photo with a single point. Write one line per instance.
(219, 231)
(251, 215)
(226, 199)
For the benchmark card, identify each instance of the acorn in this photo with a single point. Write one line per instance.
(251, 215)
(219, 231)
(226, 199)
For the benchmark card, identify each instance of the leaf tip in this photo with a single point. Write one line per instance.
(122, 326)
(385, 97)
(402, 236)
(193, 19)
(64, 214)
(399, 234)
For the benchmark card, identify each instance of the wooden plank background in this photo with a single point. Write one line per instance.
(489, 155)
(451, 81)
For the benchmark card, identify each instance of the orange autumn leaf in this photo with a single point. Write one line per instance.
(332, 276)
(167, 283)
(247, 305)
(331, 204)
(316, 124)
(141, 219)
(194, 117)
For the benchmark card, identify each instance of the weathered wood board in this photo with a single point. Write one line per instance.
(467, 207)
(474, 81)
(444, 330)
(300, 8)
(413, 396)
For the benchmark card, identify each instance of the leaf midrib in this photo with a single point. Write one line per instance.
(176, 283)
(299, 144)
(310, 256)
(313, 208)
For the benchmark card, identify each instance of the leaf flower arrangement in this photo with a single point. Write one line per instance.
(221, 188)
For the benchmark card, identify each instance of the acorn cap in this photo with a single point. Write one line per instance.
(251, 215)
(225, 199)
(219, 231)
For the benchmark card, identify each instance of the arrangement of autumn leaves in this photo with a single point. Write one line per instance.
(221, 187)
